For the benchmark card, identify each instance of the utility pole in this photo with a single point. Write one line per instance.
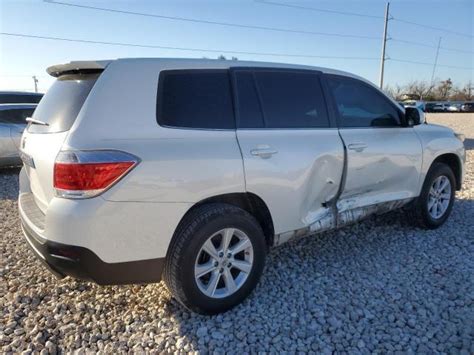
(35, 80)
(384, 43)
(435, 63)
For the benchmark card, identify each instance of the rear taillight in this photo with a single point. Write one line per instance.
(88, 173)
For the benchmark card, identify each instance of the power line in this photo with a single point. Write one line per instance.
(274, 3)
(183, 48)
(421, 44)
(264, 28)
(433, 27)
(346, 13)
(208, 22)
(22, 35)
(430, 64)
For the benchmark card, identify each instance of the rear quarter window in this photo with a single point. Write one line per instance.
(195, 99)
(62, 103)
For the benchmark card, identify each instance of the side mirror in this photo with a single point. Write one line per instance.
(414, 116)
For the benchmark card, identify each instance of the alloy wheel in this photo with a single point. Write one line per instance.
(223, 263)
(439, 197)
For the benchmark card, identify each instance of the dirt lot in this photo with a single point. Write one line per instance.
(379, 286)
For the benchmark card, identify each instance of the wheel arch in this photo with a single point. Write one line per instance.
(249, 202)
(454, 162)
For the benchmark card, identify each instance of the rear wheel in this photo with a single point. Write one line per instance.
(215, 259)
(433, 206)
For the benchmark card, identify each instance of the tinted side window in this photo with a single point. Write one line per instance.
(15, 116)
(195, 99)
(249, 112)
(360, 105)
(291, 99)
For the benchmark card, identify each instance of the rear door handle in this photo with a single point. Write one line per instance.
(263, 152)
(358, 147)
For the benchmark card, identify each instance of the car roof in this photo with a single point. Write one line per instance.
(17, 106)
(189, 63)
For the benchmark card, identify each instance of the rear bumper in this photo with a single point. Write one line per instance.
(81, 263)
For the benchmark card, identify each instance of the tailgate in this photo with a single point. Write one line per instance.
(43, 138)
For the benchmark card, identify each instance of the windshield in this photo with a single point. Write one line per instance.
(62, 103)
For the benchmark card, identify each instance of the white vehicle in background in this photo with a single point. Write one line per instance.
(12, 123)
(414, 103)
(440, 107)
(191, 169)
(454, 108)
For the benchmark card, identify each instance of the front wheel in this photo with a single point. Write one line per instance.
(215, 259)
(433, 206)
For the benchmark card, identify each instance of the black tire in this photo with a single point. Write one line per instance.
(419, 210)
(191, 234)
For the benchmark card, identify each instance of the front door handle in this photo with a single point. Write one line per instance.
(358, 147)
(263, 152)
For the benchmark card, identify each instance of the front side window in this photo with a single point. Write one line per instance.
(195, 99)
(16, 116)
(360, 105)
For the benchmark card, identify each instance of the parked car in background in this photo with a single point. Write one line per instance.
(454, 108)
(415, 103)
(440, 107)
(19, 97)
(12, 123)
(191, 169)
(467, 107)
(429, 106)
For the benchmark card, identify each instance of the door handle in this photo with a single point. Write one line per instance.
(264, 153)
(358, 147)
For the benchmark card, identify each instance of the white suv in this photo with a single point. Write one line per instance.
(138, 169)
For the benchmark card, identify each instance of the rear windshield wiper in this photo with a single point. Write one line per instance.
(35, 121)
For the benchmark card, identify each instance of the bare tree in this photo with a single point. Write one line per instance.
(441, 90)
(418, 90)
(444, 89)
(395, 92)
(463, 94)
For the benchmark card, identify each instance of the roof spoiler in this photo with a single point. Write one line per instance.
(78, 67)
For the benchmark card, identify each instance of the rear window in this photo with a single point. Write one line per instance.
(249, 112)
(20, 98)
(62, 103)
(195, 99)
(291, 99)
(15, 116)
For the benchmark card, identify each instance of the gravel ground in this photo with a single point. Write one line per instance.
(379, 286)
